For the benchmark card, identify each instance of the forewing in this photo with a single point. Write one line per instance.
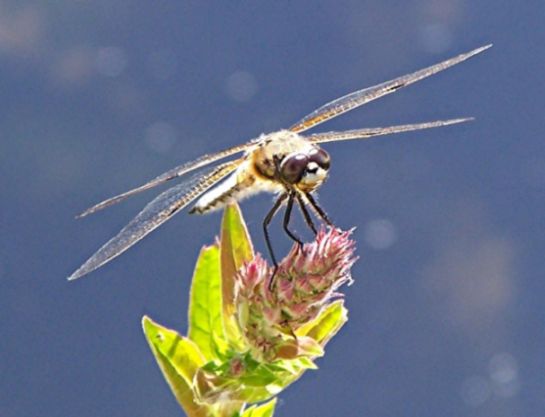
(169, 175)
(380, 131)
(154, 214)
(361, 97)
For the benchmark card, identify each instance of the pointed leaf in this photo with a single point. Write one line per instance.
(236, 249)
(263, 410)
(327, 324)
(178, 358)
(206, 325)
(306, 363)
(236, 245)
(294, 368)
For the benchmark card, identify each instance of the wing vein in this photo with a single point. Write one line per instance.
(167, 176)
(380, 131)
(359, 98)
(158, 211)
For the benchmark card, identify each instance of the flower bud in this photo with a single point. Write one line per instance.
(306, 281)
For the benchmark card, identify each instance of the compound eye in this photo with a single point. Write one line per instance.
(293, 167)
(322, 158)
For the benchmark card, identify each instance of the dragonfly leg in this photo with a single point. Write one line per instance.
(287, 218)
(318, 209)
(306, 214)
(266, 223)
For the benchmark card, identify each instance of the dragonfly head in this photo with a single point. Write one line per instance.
(307, 170)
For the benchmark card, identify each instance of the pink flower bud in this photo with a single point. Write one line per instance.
(307, 280)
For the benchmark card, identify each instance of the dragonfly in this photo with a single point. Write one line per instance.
(287, 163)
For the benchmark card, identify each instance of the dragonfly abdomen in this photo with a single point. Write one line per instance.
(230, 190)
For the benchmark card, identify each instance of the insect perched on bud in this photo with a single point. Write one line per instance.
(284, 162)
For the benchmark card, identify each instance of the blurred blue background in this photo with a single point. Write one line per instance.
(446, 313)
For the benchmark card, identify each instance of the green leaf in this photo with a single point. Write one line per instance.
(263, 410)
(178, 358)
(261, 377)
(206, 325)
(293, 368)
(236, 245)
(306, 363)
(236, 249)
(327, 324)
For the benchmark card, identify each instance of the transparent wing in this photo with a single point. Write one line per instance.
(380, 131)
(154, 214)
(361, 97)
(169, 175)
